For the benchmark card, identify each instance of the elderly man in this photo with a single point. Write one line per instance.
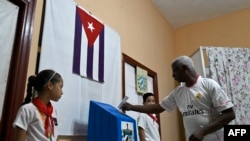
(204, 105)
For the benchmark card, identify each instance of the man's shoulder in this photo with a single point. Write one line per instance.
(207, 80)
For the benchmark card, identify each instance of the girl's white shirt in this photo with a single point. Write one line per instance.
(32, 121)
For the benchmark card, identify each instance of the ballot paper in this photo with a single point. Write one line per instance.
(124, 100)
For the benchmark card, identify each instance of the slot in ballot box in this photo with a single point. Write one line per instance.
(107, 123)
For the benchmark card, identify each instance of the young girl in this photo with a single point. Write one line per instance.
(148, 127)
(36, 119)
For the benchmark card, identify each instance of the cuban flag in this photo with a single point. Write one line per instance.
(88, 57)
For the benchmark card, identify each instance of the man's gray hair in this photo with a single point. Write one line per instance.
(185, 60)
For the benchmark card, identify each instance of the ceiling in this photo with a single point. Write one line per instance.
(183, 12)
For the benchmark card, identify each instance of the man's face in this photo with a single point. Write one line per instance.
(178, 72)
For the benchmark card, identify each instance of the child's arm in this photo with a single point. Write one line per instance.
(20, 134)
(141, 134)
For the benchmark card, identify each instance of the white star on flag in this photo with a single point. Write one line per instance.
(90, 26)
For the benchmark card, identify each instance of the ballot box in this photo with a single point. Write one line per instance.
(107, 123)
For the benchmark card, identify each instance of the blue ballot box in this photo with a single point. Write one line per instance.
(107, 123)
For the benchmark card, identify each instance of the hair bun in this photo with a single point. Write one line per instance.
(32, 79)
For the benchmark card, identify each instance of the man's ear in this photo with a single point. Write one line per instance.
(185, 67)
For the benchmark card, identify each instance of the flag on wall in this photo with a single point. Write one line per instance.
(88, 56)
(58, 52)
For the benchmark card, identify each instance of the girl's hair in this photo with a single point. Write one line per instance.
(39, 81)
(146, 95)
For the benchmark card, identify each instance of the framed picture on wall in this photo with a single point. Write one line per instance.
(141, 80)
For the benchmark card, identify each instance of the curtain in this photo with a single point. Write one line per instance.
(230, 67)
(8, 18)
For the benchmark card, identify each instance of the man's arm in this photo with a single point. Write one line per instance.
(225, 117)
(154, 108)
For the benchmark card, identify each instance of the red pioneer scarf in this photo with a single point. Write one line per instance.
(153, 117)
(47, 110)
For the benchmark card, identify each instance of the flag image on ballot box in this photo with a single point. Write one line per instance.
(88, 58)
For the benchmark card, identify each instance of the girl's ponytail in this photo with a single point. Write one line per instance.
(30, 90)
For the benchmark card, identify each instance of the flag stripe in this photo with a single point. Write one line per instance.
(96, 59)
(77, 44)
(90, 62)
(101, 57)
(84, 52)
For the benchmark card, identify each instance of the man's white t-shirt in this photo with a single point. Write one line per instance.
(32, 121)
(199, 104)
(151, 127)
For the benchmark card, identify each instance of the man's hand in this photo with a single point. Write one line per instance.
(198, 135)
(126, 107)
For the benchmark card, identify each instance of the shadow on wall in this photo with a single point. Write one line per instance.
(79, 128)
